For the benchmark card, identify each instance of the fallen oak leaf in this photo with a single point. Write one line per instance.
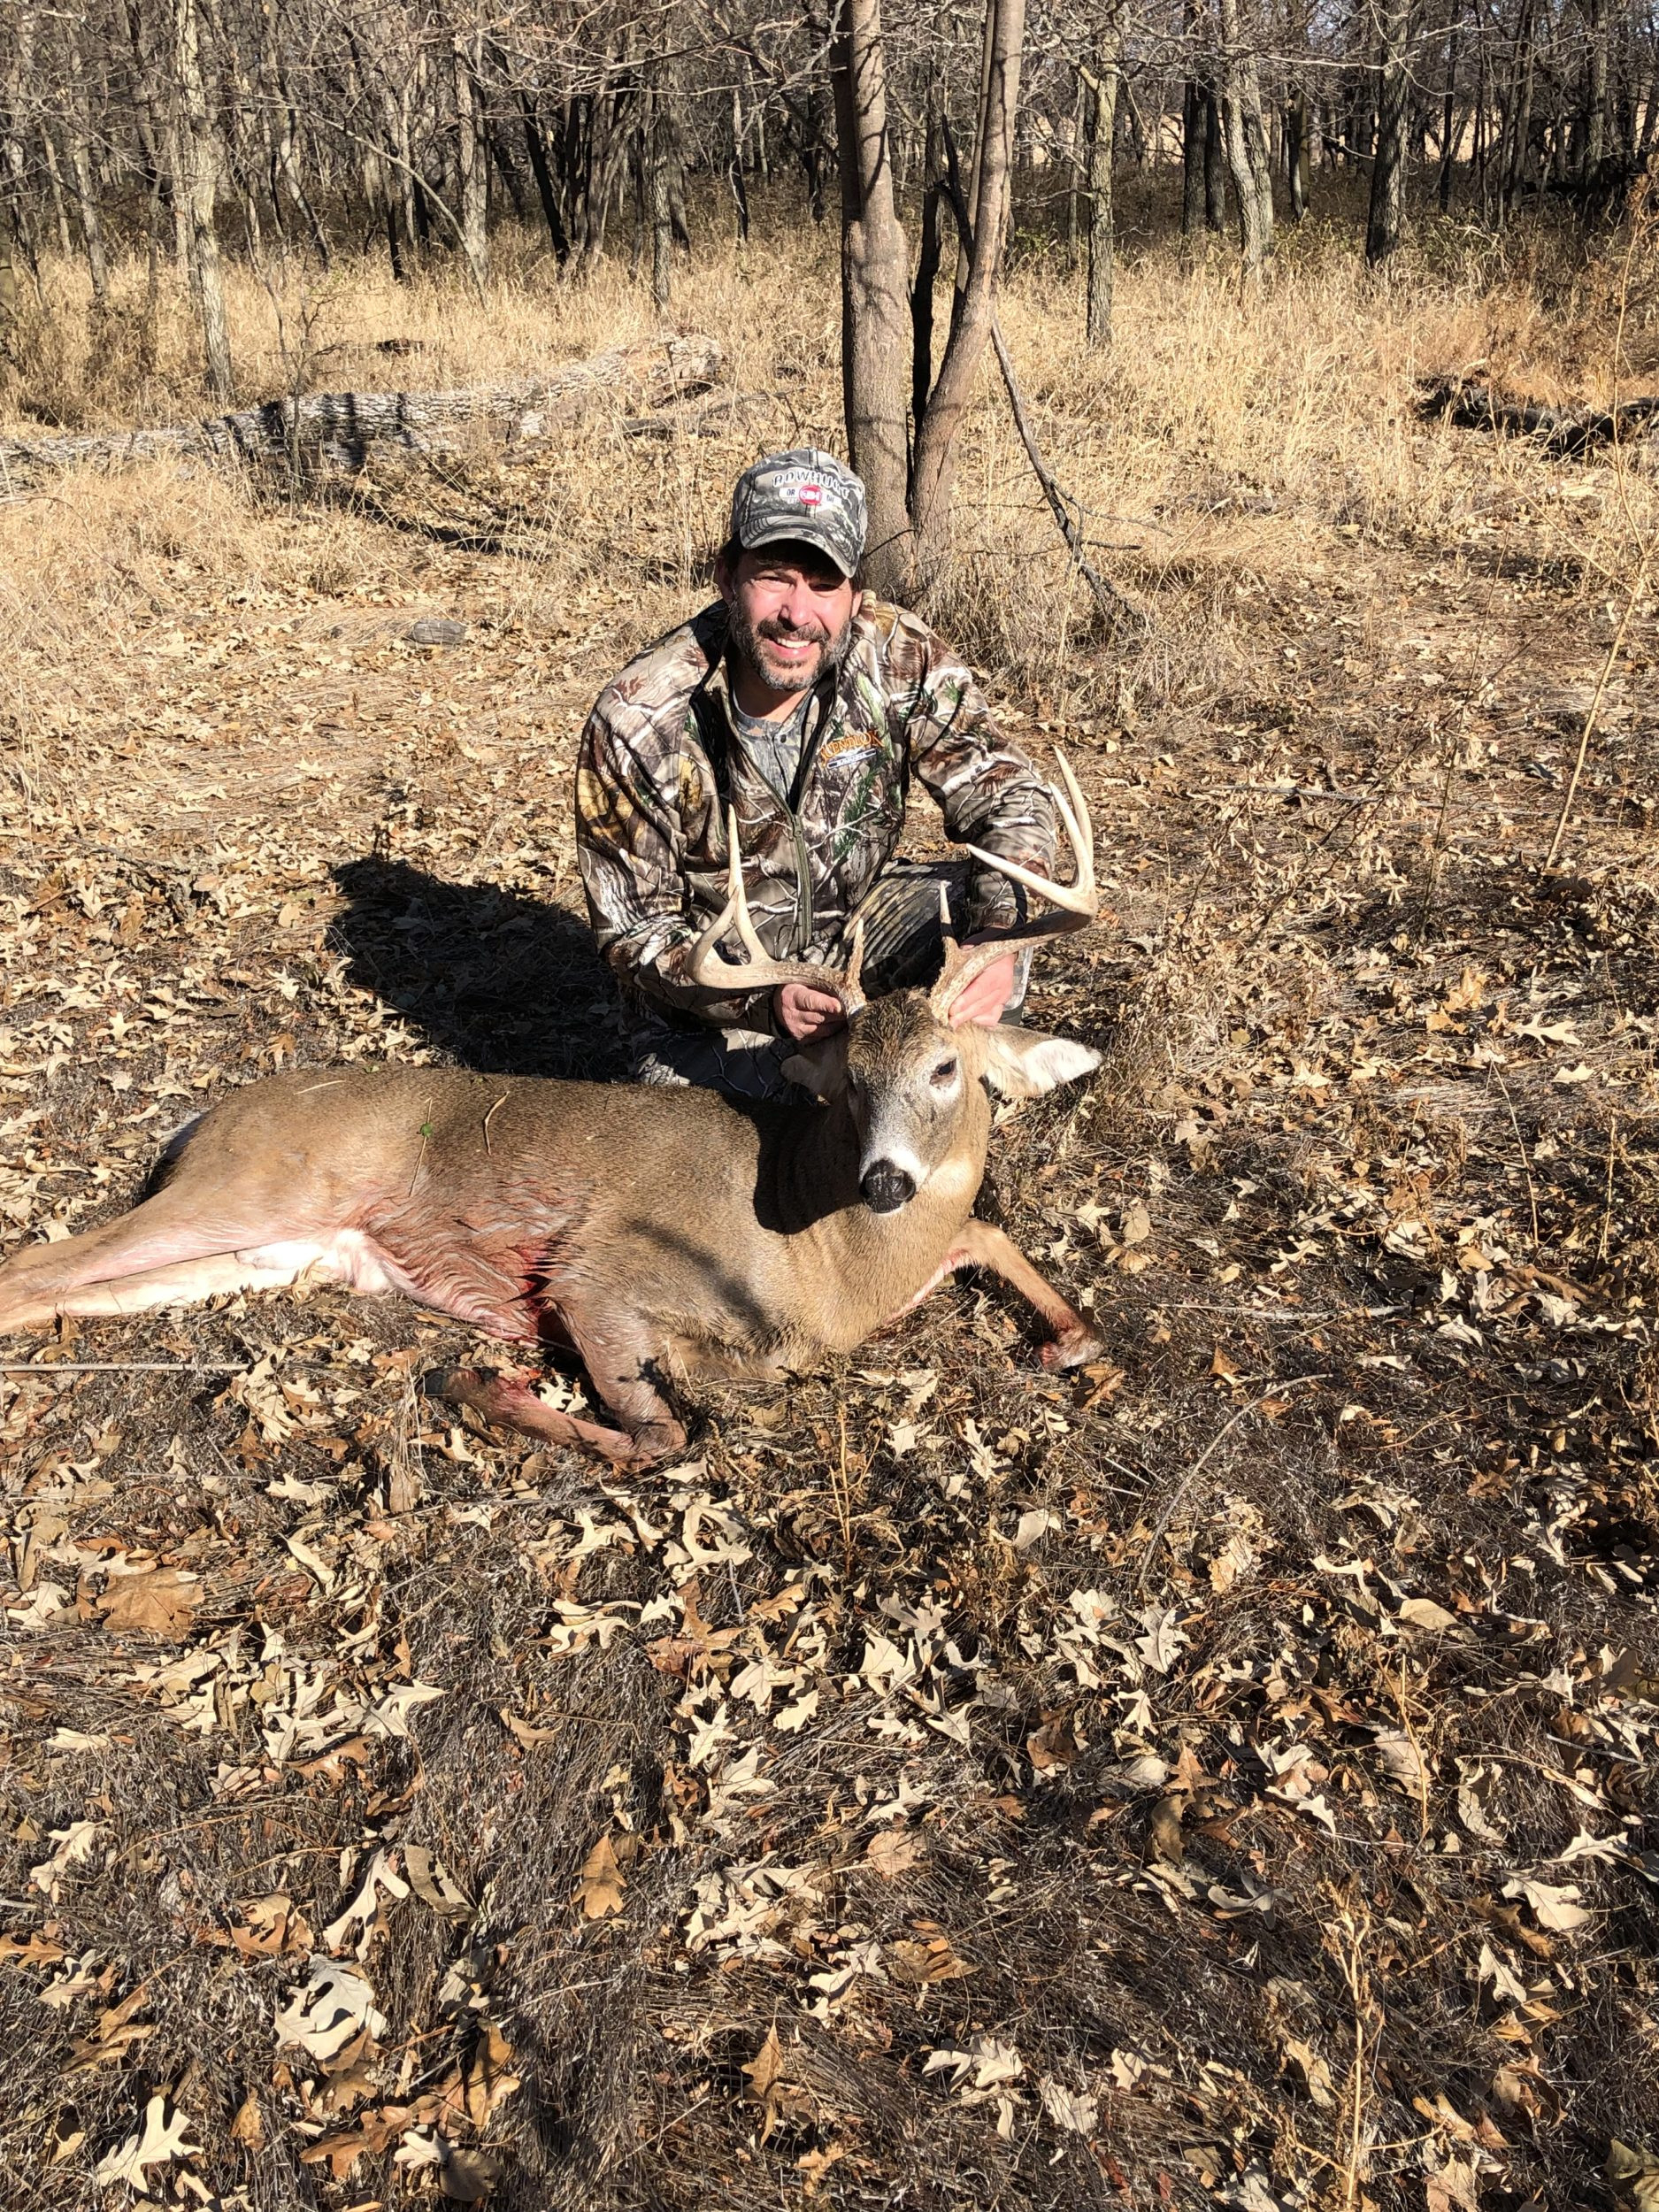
(270, 1925)
(159, 2142)
(434, 1883)
(521, 1731)
(777, 2097)
(489, 2079)
(599, 1892)
(157, 1601)
(333, 2004)
(895, 1852)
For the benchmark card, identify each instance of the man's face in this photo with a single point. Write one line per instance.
(791, 614)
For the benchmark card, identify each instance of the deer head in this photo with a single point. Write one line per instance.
(912, 1080)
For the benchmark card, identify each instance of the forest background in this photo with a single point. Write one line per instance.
(1225, 1778)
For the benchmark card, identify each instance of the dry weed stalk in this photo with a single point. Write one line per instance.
(1346, 1938)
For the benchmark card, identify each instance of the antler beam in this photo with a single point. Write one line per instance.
(706, 966)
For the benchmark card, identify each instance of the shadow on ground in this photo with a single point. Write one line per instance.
(508, 985)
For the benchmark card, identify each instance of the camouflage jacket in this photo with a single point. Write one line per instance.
(660, 762)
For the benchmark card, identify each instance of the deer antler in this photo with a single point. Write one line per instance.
(1078, 901)
(706, 966)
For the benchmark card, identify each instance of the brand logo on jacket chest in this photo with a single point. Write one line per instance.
(851, 744)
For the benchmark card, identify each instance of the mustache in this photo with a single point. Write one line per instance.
(783, 633)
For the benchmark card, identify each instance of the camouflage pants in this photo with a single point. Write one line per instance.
(903, 947)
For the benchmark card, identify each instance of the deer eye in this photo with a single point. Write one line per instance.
(945, 1072)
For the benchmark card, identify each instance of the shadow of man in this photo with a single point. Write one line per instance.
(507, 984)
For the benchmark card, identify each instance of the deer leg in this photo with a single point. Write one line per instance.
(621, 1372)
(982, 1245)
(157, 1254)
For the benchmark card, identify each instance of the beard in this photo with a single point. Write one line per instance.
(752, 641)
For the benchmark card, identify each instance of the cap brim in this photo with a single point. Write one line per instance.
(797, 533)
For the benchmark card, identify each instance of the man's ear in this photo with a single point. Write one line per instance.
(1024, 1064)
(820, 1068)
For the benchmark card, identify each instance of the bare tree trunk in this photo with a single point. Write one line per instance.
(198, 193)
(1296, 152)
(1074, 185)
(535, 147)
(284, 149)
(55, 181)
(473, 173)
(80, 140)
(928, 253)
(661, 212)
(1596, 88)
(1518, 119)
(1244, 141)
(875, 337)
(1103, 121)
(735, 169)
(1387, 172)
(1193, 118)
(932, 467)
(1448, 120)
(1214, 165)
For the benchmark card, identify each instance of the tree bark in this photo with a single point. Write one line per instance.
(875, 336)
(1596, 88)
(1102, 120)
(198, 176)
(928, 254)
(1244, 141)
(1194, 117)
(662, 220)
(473, 173)
(1387, 171)
(336, 428)
(1449, 121)
(80, 137)
(1214, 165)
(932, 467)
(535, 147)
(1296, 152)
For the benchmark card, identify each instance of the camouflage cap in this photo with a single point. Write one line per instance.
(805, 495)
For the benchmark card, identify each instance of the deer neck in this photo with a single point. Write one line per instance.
(852, 1269)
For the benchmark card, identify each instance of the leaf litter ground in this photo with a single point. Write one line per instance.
(1223, 1777)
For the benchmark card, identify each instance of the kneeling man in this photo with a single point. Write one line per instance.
(808, 705)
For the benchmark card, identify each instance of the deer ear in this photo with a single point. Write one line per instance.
(820, 1069)
(1024, 1063)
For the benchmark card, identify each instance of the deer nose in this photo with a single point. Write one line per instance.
(887, 1187)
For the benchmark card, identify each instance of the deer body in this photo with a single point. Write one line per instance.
(656, 1232)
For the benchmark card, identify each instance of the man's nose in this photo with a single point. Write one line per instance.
(798, 609)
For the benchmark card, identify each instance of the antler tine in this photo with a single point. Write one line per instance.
(1078, 901)
(705, 966)
(1078, 897)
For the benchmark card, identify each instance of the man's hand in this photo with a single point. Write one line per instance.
(983, 1001)
(806, 1015)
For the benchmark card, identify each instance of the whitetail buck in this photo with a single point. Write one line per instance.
(657, 1233)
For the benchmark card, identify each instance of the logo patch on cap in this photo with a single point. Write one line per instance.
(811, 494)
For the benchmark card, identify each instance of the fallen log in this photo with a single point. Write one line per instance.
(1566, 431)
(336, 429)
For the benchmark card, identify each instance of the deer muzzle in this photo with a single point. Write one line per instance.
(885, 1186)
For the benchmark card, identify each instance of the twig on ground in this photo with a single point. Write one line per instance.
(1220, 1437)
(114, 1367)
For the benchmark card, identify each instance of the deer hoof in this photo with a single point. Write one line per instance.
(1072, 1348)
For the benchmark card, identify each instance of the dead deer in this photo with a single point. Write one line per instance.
(656, 1232)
